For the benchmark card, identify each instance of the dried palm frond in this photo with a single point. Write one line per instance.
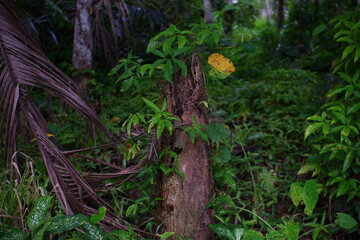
(22, 65)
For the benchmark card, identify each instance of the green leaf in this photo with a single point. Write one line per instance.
(292, 230)
(296, 193)
(62, 223)
(153, 45)
(167, 45)
(144, 68)
(307, 168)
(181, 65)
(347, 50)
(95, 218)
(166, 235)
(253, 235)
(357, 54)
(345, 131)
(310, 196)
(312, 128)
(223, 231)
(14, 234)
(37, 215)
(217, 132)
(160, 128)
(343, 188)
(315, 118)
(318, 30)
(41, 232)
(152, 105)
(181, 41)
(168, 71)
(158, 53)
(346, 221)
(156, 64)
(93, 232)
(354, 108)
(238, 232)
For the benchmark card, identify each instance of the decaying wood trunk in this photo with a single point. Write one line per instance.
(83, 42)
(207, 11)
(185, 200)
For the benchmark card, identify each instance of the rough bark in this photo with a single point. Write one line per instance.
(280, 13)
(83, 42)
(185, 200)
(207, 11)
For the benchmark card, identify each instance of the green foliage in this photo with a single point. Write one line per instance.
(308, 194)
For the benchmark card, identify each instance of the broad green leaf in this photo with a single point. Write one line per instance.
(340, 116)
(347, 50)
(343, 188)
(238, 232)
(62, 223)
(153, 45)
(318, 30)
(292, 230)
(95, 218)
(307, 168)
(14, 234)
(315, 118)
(158, 53)
(310, 196)
(41, 232)
(354, 108)
(345, 221)
(253, 235)
(223, 231)
(156, 64)
(168, 71)
(93, 232)
(345, 131)
(37, 215)
(151, 105)
(166, 235)
(357, 54)
(312, 128)
(296, 193)
(181, 65)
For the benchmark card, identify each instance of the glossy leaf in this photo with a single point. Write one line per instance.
(38, 214)
(345, 221)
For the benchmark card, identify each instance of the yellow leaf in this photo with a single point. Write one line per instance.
(115, 119)
(47, 134)
(221, 63)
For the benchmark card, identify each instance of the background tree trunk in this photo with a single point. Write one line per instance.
(184, 200)
(83, 42)
(280, 13)
(229, 19)
(207, 11)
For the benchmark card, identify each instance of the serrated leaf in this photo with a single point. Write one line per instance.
(217, 132)
(296, 193)
(38, 213)
(181, 65)
(310, 196)
(312, 128)
(151, 105)
(63, 223)
(318, 30)
(345, 221)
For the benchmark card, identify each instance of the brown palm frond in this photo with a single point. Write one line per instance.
(23, 64)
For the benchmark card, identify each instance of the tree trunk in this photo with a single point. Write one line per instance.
(280, 13)
(228, 19)
(207, 11)
(185, 199)
(83, 42)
